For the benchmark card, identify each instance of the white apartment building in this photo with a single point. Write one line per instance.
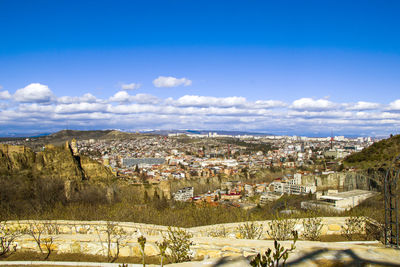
(339, 201)
(184, 194)
(293, 186)
(287, 188)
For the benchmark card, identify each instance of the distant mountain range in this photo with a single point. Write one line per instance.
(166, 132)
(95, 134)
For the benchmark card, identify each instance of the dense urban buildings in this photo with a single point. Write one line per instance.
(297, 165)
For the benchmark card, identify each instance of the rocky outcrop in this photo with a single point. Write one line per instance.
(15, 160)
(57, 162)
(93, 170)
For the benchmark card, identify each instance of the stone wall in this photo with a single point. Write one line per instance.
(89, 237)
(331, 226)
(65, 227)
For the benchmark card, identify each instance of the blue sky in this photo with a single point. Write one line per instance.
(285, 67)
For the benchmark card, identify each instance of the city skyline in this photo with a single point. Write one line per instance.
(284, 68)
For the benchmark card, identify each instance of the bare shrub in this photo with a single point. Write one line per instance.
(179, 243)
(41, 232)
(312, 227)
(48, 244)
(142, 243)
(251, 230)
(218, 232)
(114, 235)
(281, 227)
(52, 228)
(272, 260)
(8, 234)
(375, 230)
(353, 228)
(36, 230)
(162, 246)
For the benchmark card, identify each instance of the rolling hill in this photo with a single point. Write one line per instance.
(380, 154)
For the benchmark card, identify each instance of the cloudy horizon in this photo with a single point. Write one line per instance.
(36, 108)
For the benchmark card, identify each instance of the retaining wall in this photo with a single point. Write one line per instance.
(89, 237)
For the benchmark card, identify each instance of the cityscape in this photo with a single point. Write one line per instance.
(294, 164)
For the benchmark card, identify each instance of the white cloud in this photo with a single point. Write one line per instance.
(311, 104)
(130, 86)
(34, 92)
(163, 81)
(206, 101)
(394, 106)
(33, 108)
(145, 99)
(361, 105)
(321, 114)
(80, 108)
(136, 108)
(88, 98)
(124, 97)
(121, 96)
(37, 109)
(268, 104)
(4, 95)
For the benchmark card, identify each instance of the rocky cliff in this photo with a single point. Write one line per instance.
(57, 162)
(94, 170)
(13, 159)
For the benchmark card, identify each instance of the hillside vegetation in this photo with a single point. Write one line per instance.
(380, 154)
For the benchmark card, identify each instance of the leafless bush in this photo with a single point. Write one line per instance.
(142, 243)
(218, 232)
(48, 244)
(375, 230)
(353, 228)
(281, 227)
(52, 228)
(251, 230)
(162, 246)
(312, 227)
(38, 231)
(272, 260)
(114, 235)
(8, 234)
(179, 243)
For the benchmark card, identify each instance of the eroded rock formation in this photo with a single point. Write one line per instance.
(57, 162)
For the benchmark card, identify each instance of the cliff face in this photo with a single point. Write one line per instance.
(13, 161)
(57, 162)
(94, 170)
